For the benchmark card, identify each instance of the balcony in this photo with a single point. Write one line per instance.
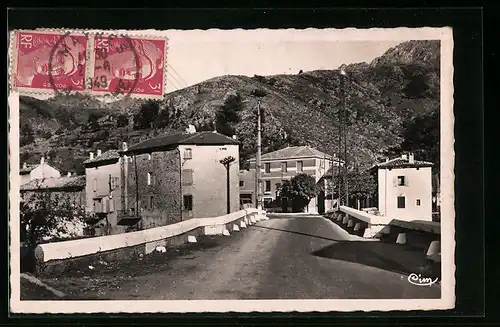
(128, 218)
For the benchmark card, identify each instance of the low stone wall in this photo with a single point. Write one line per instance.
(57, 257)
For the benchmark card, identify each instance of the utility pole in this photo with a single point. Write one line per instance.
(340, 119)
(259, 154)
(346, 181)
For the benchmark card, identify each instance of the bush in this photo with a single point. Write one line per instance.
(49, 217)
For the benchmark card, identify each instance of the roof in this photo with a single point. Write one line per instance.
(402, 163)
(293, 152)
(328, 173)
(170, 142)
(73, 183)
(106, 157)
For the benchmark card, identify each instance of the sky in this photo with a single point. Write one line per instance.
(194, 57)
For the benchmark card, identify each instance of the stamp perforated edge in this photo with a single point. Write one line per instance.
(90, 34)
(125, 33)
(33, 91)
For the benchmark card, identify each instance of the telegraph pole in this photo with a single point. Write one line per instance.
(346, 181)
(340, 119)
(259, 154)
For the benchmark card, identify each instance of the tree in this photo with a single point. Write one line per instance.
(27, 136)
(122, 120)
(421, 136)
(228, 114)
(93, 122)
(300, 189)
(147, 115)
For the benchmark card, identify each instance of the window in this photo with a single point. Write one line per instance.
(150, 178)
(401, 202)
(268, 186)
(187, 176)
(111, 205)
(284, 167)
(95, 184)
(418, 202)
(149, 156)
(151, 203)
(401, 181)
(267, 168)
(188, 202)
(300, 166)
(242, 183)
(188, 154)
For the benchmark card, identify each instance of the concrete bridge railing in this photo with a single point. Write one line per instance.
(417, 233)
(57, 256)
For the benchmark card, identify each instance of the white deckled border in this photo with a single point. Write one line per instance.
(447, 300)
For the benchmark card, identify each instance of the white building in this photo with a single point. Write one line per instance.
(40, 171)
(405, 188)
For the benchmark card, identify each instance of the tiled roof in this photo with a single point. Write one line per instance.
(106, 156)
(403, 163)
(293, 152)
(73, 183)
(171, 141)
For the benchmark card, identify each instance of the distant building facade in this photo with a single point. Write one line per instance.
(40, 171)
(282, 165)
(68, 188)
(103, 191)
(405, 188)
(177, 177)
(247, 187)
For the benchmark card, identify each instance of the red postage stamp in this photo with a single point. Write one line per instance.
(127, 65)
(48, 62)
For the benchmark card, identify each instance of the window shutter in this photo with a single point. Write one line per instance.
(111, 205)
(395, 181)
(406, 181)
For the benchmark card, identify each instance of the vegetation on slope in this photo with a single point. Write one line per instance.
(382, 98)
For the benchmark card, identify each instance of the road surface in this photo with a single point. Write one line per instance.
(289, 258)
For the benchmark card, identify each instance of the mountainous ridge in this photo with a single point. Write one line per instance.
(299, 109)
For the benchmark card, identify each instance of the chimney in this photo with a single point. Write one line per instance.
(386, 159)
(411, 158)
(25, 165)
(69, 174)
(124, 146)
(42, 161)
(98, 152)
(404, 156)
(91, 155)
(234, 137)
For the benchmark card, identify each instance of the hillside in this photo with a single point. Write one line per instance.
(299, 109)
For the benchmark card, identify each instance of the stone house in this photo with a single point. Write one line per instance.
(42, 170)
(172, 178)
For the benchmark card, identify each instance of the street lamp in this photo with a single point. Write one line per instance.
(342, 129)
(227, 163)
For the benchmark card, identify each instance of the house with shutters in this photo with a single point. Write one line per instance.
(103, 191)
(404, 188)
(42, 170)
(172, 178)
(283, 164)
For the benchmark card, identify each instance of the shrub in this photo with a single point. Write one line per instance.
(301, 189)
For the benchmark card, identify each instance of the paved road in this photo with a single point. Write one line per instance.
(300, 258)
